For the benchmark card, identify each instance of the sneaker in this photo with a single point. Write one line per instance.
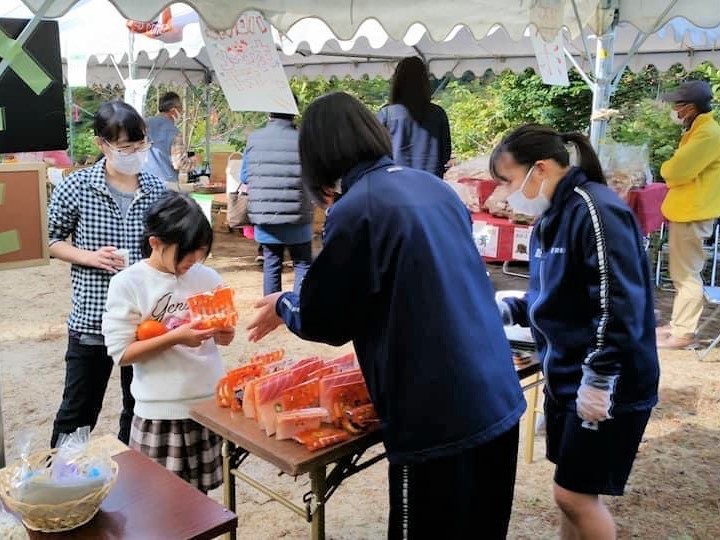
(260, 260)
(669, 341)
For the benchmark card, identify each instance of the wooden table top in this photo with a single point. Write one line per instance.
(150, 502)
(288, 456)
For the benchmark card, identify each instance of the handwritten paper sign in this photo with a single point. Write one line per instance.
(248, 66)
(521, 243)
(551, 60)
(486, 239)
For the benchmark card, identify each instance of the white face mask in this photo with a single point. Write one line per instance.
(522, 204)
(128, 163)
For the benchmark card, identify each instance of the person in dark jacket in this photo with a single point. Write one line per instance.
(419, 129)
(278, 204)
(400, 276)
(590, 307)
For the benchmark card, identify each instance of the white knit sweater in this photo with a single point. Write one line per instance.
(166, 385)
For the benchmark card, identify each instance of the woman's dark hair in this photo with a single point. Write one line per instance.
(533, 142)
(411, 87)
(114, 118)
(177, 219)
(337, 133)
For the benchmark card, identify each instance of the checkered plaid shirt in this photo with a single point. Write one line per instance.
(82, 208)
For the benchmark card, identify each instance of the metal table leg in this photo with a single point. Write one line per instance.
(507, 272)
(530, 418)
(318, 487)
(2, 436)
(228, 481)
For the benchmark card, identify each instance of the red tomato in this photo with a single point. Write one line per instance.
(150, 329)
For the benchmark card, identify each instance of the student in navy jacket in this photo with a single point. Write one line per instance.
(419, 130)
(590, 307)
(400, 277)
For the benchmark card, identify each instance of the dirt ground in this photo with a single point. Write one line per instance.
(674, 491)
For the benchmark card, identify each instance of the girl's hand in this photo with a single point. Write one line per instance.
(266, 319)
(224, 336)
(105, 258)
(190, 335)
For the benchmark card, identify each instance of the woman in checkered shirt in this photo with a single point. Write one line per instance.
(95, 223)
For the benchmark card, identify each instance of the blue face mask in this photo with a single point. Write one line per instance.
(522, 204)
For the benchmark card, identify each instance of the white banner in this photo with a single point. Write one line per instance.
(136, 92)
(551, 60)
(77, 70)
(248, 66)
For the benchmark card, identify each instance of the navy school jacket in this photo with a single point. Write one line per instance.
(590, 297)
(400, 276)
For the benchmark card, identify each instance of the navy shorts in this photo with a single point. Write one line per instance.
(592, 462)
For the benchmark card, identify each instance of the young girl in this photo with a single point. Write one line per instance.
(93, 213)
(181, 367)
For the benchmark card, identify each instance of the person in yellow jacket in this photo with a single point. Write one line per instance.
(692, 204)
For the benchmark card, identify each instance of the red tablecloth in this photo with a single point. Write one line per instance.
(645, 204)
(506, 247)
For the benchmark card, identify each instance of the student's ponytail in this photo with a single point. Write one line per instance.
(533, 142)
(587, 158)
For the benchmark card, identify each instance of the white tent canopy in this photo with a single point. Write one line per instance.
(460, 54)
(310, 48)
(476, 18)
(345, 16)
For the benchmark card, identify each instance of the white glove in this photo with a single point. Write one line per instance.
(594, 396)
(505, 313)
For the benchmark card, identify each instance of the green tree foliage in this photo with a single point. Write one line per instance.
(480, 109)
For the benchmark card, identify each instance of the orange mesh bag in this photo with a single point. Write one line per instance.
(214, 309)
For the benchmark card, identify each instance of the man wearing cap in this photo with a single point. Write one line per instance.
(692, 204)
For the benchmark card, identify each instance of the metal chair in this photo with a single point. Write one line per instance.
(712, 297)
(711, 253)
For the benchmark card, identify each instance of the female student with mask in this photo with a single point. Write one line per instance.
(95, 220)
(420, 312)
(590, 307)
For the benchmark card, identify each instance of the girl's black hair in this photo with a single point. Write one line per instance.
(337, 133)
(114, 118)
(533, 142)
(411, 87)
(176, 219)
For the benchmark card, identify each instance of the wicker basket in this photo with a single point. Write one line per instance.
(53, 517)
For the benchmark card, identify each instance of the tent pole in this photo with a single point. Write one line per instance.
(71, 129)
(208, 80)
(132, 67)
(603, 84)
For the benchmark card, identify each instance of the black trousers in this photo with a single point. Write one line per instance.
(467, 495)
(87, 371)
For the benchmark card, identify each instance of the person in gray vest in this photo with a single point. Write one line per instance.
(278, 204)
(168, 154)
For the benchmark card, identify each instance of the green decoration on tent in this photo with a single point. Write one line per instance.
(23, 64)
(9, 240)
